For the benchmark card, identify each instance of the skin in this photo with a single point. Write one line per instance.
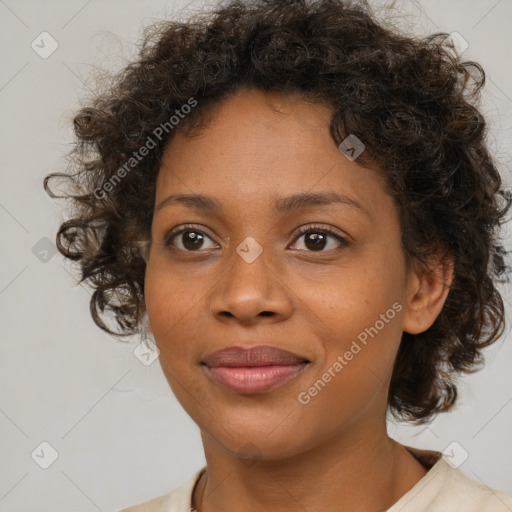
(260, 147)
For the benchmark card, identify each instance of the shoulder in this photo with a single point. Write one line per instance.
(468, 494)
(446, 488)
(159, 504)
(178, 500)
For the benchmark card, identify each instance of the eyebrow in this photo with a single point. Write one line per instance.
(282, 205)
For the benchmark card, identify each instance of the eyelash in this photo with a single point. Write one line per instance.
(301, 231)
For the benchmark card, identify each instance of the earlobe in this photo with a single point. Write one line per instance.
(428, 288)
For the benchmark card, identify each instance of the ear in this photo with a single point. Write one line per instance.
(427, 289)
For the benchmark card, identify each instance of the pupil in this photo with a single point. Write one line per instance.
(318, 240)
(192, 237)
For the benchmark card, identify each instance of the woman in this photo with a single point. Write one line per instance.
(302, 203)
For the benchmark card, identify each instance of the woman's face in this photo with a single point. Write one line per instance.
(335, 300)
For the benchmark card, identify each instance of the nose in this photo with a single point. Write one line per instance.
(251, 292)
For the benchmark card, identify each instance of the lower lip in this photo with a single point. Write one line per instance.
(254, 379)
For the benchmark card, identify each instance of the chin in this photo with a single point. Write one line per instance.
(255, 441)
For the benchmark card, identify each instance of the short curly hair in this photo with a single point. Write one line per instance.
(410, 99)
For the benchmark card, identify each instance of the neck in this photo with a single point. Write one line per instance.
(360, 473)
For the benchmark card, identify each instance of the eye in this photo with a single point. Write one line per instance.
(317, 238)
(190, 239)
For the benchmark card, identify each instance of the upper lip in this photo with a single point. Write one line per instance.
(261, 355)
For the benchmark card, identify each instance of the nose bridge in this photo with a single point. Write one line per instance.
(251, 286)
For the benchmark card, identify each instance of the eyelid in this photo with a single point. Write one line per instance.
(319, 227)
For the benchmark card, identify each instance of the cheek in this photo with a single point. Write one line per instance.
(357, 313)
(359, 349)
(172, 305)
(171, 309)
(348, 300)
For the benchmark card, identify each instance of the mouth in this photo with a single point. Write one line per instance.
(255, 370)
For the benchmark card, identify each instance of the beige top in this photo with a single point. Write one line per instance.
(442, 489)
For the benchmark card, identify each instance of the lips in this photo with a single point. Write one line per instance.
(263, 355)
(254, 370)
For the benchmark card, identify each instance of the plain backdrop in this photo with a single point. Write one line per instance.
(112, 425)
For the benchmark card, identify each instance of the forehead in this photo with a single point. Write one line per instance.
(260, 146)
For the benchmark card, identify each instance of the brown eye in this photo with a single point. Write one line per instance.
(189, 240)
(317, 239)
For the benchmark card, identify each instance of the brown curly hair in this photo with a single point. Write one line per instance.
(411, 100)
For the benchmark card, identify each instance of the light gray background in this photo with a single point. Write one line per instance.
(121, 436)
